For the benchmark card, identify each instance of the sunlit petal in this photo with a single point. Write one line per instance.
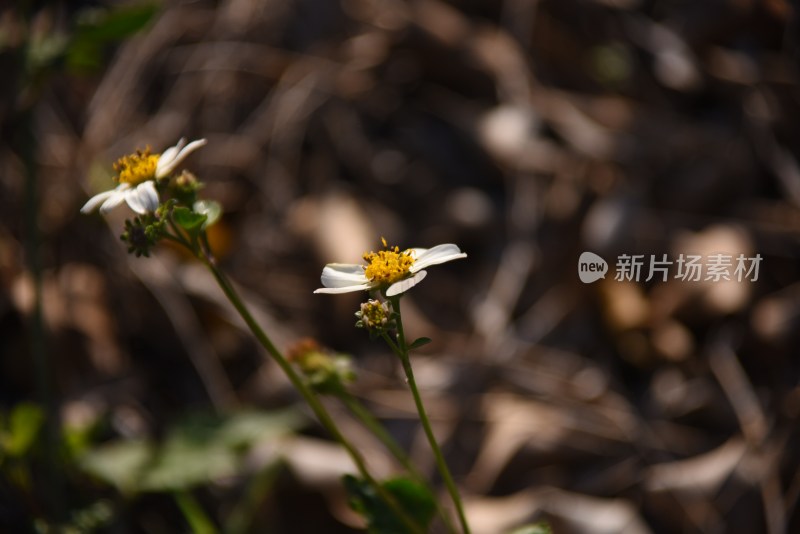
(96, 200)
(404, 285)
(342, 275)
(343, 289)
(173, 156)
(167, 157)
(425, 257)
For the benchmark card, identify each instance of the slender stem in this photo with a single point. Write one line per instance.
(310, 397)
(372, 424)
(195, 515)
(179, 235)
(402, 352)
(363, 415)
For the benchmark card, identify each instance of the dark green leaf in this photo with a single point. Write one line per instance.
(116, 23)
(418, 503)
(419, 342)
(99, 27)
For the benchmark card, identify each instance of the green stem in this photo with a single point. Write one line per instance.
(195, 515)
(372, 424)
(402, 351)
(314, 403)
(363, 415)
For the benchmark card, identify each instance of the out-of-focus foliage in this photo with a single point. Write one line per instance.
(20, 429)
(412, 497)
(197, 450)
(99, 28)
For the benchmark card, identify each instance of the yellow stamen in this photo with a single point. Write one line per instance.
(388, 266)
(136, 168)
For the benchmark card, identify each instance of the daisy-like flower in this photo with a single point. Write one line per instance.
(392, 270)
(136, 175)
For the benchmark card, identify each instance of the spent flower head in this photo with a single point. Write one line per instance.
(136, 177)
(326, 372)
(390, 270)
(142, 233)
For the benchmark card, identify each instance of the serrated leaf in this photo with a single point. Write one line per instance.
(419, 342)
(188, 219)
(211, 209)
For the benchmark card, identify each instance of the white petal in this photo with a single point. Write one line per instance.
(96, 200)
(404, 285)
(425, 257)
(113, 201)
(172, 157)
(168, 156)
(343, 275)
(144, 198)
(343, 289)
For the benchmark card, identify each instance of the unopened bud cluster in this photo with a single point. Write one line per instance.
(374, 315)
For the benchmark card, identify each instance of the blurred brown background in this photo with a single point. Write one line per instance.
(525, 131)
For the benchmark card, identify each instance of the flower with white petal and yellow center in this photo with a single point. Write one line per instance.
(392, 270)
(136, 175)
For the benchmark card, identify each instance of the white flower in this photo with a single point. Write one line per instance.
(141, 198)
(136, 176)
(391, 269)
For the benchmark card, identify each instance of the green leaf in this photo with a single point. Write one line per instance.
(417, 501)
(419, 342)
(197, 450)
(211, 209)
(188, 219)
(535, 528)
(120, 464)
(24, 423)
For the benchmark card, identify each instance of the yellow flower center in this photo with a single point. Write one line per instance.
(136, 168)
(388, 266)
